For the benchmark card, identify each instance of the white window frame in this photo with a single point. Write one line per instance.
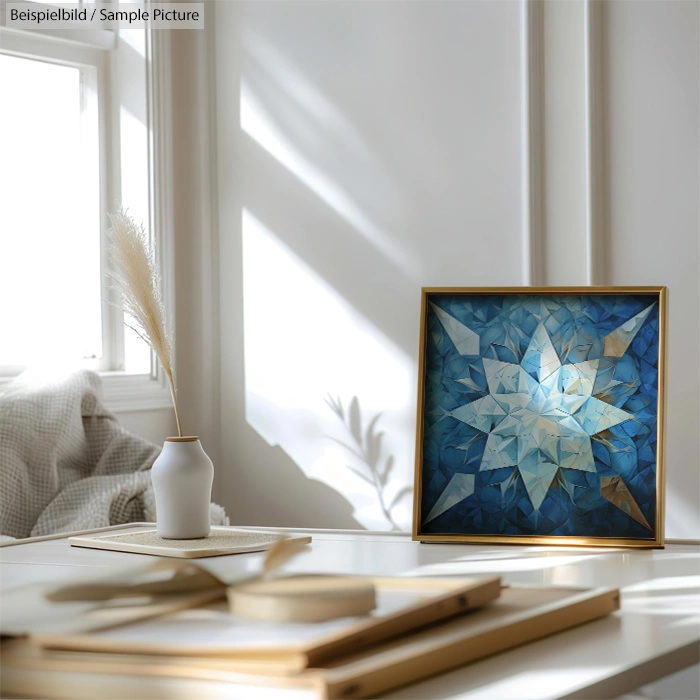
(97, 49)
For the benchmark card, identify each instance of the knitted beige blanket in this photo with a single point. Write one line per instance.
(65, 462)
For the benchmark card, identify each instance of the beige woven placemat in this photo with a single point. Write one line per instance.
(221, 541)
(216, 540)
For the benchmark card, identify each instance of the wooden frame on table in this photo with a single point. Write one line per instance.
(446, 329)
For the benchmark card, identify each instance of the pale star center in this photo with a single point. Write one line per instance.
(539, 415)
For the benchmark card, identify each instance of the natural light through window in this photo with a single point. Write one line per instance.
(50, 214)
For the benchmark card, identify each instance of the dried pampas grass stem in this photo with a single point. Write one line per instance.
(282, 551)
(137, 280)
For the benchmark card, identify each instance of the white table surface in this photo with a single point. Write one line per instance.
(656, 632)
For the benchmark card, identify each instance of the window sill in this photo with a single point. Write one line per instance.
(122, 393)
(134, 392)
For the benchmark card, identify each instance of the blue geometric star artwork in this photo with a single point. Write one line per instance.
(540, 415)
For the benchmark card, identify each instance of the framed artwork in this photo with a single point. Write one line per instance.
(540, 416)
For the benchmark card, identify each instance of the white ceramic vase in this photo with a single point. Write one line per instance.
(182, 477)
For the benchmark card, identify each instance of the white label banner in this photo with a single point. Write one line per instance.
(126, 15)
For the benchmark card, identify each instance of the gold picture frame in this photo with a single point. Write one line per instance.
(612, 489)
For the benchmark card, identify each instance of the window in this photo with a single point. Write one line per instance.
(50, 213)
(77, 133)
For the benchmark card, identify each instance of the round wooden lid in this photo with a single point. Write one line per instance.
(303, 598)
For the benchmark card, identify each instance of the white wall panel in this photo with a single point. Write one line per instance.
(366, 149)
(564, 144)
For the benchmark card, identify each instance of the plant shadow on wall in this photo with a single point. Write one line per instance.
(367, 448)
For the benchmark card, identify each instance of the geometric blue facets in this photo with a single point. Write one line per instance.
(465, 341)
(460, 486)
(540, 415)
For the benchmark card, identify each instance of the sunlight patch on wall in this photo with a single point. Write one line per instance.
(317, 109)
(260, 125)
(304, 342)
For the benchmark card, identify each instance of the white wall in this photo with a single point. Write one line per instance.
(153, 425)
(378, 150)
(366, 149)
